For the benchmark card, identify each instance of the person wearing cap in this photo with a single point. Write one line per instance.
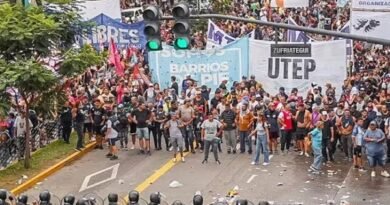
(327, 137)
(316, 136)
(210, 138)
(174, 125)
(374, 139)
(228, 119)
(357, 138)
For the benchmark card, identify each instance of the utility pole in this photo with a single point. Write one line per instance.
(287, 26)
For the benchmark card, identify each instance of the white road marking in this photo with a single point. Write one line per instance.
(114, 173)
(251, 178)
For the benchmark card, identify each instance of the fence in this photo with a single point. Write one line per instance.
(41, 135)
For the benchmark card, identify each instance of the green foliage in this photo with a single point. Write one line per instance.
(26, 33)
(77, 60)
(222, 6)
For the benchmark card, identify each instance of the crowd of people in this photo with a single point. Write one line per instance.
(239, 118)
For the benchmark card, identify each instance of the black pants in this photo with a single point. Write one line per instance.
(166, 138)
(158, 136)
(66, 130)
(198, 139)
(154, 132)
(285, 140)
(79, 128)
(327, 149)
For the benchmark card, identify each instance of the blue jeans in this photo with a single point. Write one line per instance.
(261, 146)
(244, 138)
(317, 158)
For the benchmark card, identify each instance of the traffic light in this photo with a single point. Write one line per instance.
(181, 28)
(151, 17)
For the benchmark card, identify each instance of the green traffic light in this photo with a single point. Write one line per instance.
(182, 43)
(153, 45)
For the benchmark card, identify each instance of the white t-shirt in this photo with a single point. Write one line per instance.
(113, 133)
(210, 129)
(20, 125)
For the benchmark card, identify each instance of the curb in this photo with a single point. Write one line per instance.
(51, 170)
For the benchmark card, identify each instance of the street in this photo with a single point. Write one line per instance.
(284, 181)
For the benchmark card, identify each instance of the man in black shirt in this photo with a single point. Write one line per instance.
(98, 113)
(66, 122)
(216, 99)
(327, 137)
(78, 122)
(228, 119)
(141, 117)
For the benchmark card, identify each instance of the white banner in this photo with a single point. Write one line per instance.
(217, 38)
(289, 3)
(90, 9)
(297, 65)
(370, 4)
(373, 24)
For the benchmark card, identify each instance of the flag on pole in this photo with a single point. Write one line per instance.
(296, 36)
(349, 48)
(115, 59)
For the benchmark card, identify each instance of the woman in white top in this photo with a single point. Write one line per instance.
(262, 139)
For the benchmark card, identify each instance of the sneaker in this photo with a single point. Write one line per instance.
(265, 163)
(385, 174)
(204, 161)
(253, 163)
(301, 153)
(171, 149)
(234, 151)
(373, 174)
(183, 160)
(218, 162)
(228, 151)
(174, 160)
(362, 170)
(307, 155)
(109, 155)
(114, 157)
(132, 147)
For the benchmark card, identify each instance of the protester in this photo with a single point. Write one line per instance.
(175, 125)
(261, 134)
(209, 136)
(316, 136)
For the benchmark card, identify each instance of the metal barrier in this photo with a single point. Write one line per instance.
(41, 135)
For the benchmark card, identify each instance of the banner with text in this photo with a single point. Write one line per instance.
(123, 34)
(289, 3)
(216, 37)
(371, 18)
(297, 65)
(207, 67)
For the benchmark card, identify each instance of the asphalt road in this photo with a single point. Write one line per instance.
(284, 181)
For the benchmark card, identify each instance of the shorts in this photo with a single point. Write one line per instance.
(143, 133)
(111, 141)
(357, 151)
(177, 142)
(301, 133)
(88, 127)
(377, 159)
(274, 135)
(133, 128)
(122, 134)
(97, 129)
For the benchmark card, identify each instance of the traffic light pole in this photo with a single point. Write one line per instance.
(287, 26)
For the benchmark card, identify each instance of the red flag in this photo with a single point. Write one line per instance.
(114, 58)
(136, 72)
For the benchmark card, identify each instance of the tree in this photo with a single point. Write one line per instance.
(29, 35)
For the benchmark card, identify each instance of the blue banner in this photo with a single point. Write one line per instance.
(207, 67)
(123, 34)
